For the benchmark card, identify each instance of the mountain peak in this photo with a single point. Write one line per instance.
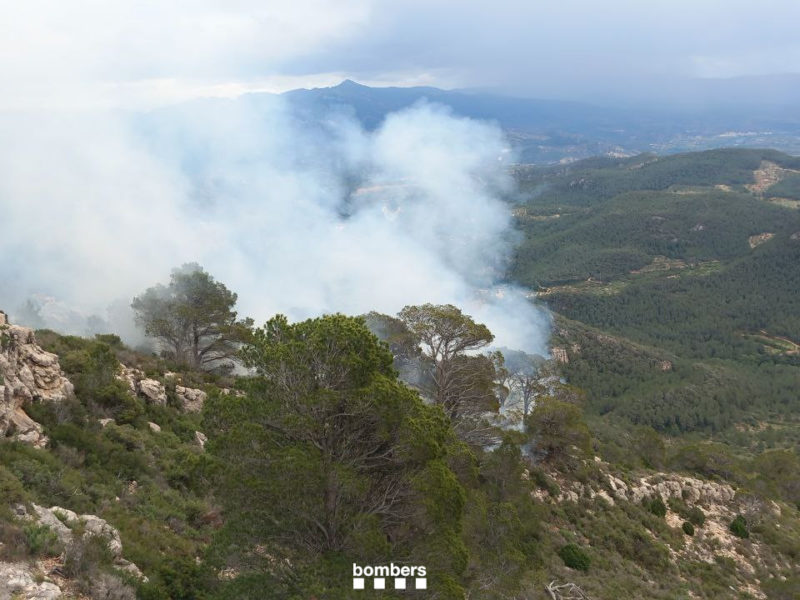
(349, 84)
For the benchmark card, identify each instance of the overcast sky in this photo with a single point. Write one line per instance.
(134, 52)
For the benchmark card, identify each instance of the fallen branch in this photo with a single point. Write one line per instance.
(565, 591)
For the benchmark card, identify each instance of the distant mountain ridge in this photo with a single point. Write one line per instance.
(541, 131)
(549, 131)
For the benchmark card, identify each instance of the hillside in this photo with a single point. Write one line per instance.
(153, 481)
(657, 457)
(694, 257)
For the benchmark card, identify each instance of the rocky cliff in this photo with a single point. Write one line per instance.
(27, 374)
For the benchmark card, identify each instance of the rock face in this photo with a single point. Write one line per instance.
(62, 522)
(27, 374)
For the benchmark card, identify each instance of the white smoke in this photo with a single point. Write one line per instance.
(297, 217)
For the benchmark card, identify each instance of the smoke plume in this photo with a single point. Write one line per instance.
(297, 216)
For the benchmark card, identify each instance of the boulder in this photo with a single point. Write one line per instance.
(191, 399)
(153, 391)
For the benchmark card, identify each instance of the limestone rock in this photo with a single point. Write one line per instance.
(154, 427)
(17, 582)
(151, 390)
(62, 521)
(200, 438)
(27, 374)
(131, 377)
(191, 399)
(692, 490)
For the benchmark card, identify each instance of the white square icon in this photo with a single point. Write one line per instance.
(379, 583)
(399, 583)
(358, 583)
(421, 583)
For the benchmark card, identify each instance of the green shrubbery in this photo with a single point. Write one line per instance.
(738, 527)
(11, 490)
(574, 557)
(656, 506)
(41, 540)
(558, 431)
(688, 528)
(692, 514)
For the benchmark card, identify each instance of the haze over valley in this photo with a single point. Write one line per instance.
(448, 300)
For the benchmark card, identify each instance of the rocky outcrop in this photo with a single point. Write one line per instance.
(664, 486)
(191, 399)
(151, 390)
(63, 521)
(560, 354)
(690, 489)
(18, 581)
(27, 374)
(154, 392)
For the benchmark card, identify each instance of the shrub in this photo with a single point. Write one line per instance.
(696, 516)
(13, 542)
(574, 557)
(11, 489)
(688, 528)
(556, 427)
(41, 540)
(738, 527)
(544, 481)
(86, 556)
(105, 586)
(656, 506)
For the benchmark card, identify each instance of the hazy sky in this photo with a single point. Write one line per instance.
(144, 52)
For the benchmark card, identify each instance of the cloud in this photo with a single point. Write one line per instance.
(87, 53)
(126, 52)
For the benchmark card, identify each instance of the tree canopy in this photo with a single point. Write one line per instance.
(446, 335)
(193, 318)
(327, 425)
